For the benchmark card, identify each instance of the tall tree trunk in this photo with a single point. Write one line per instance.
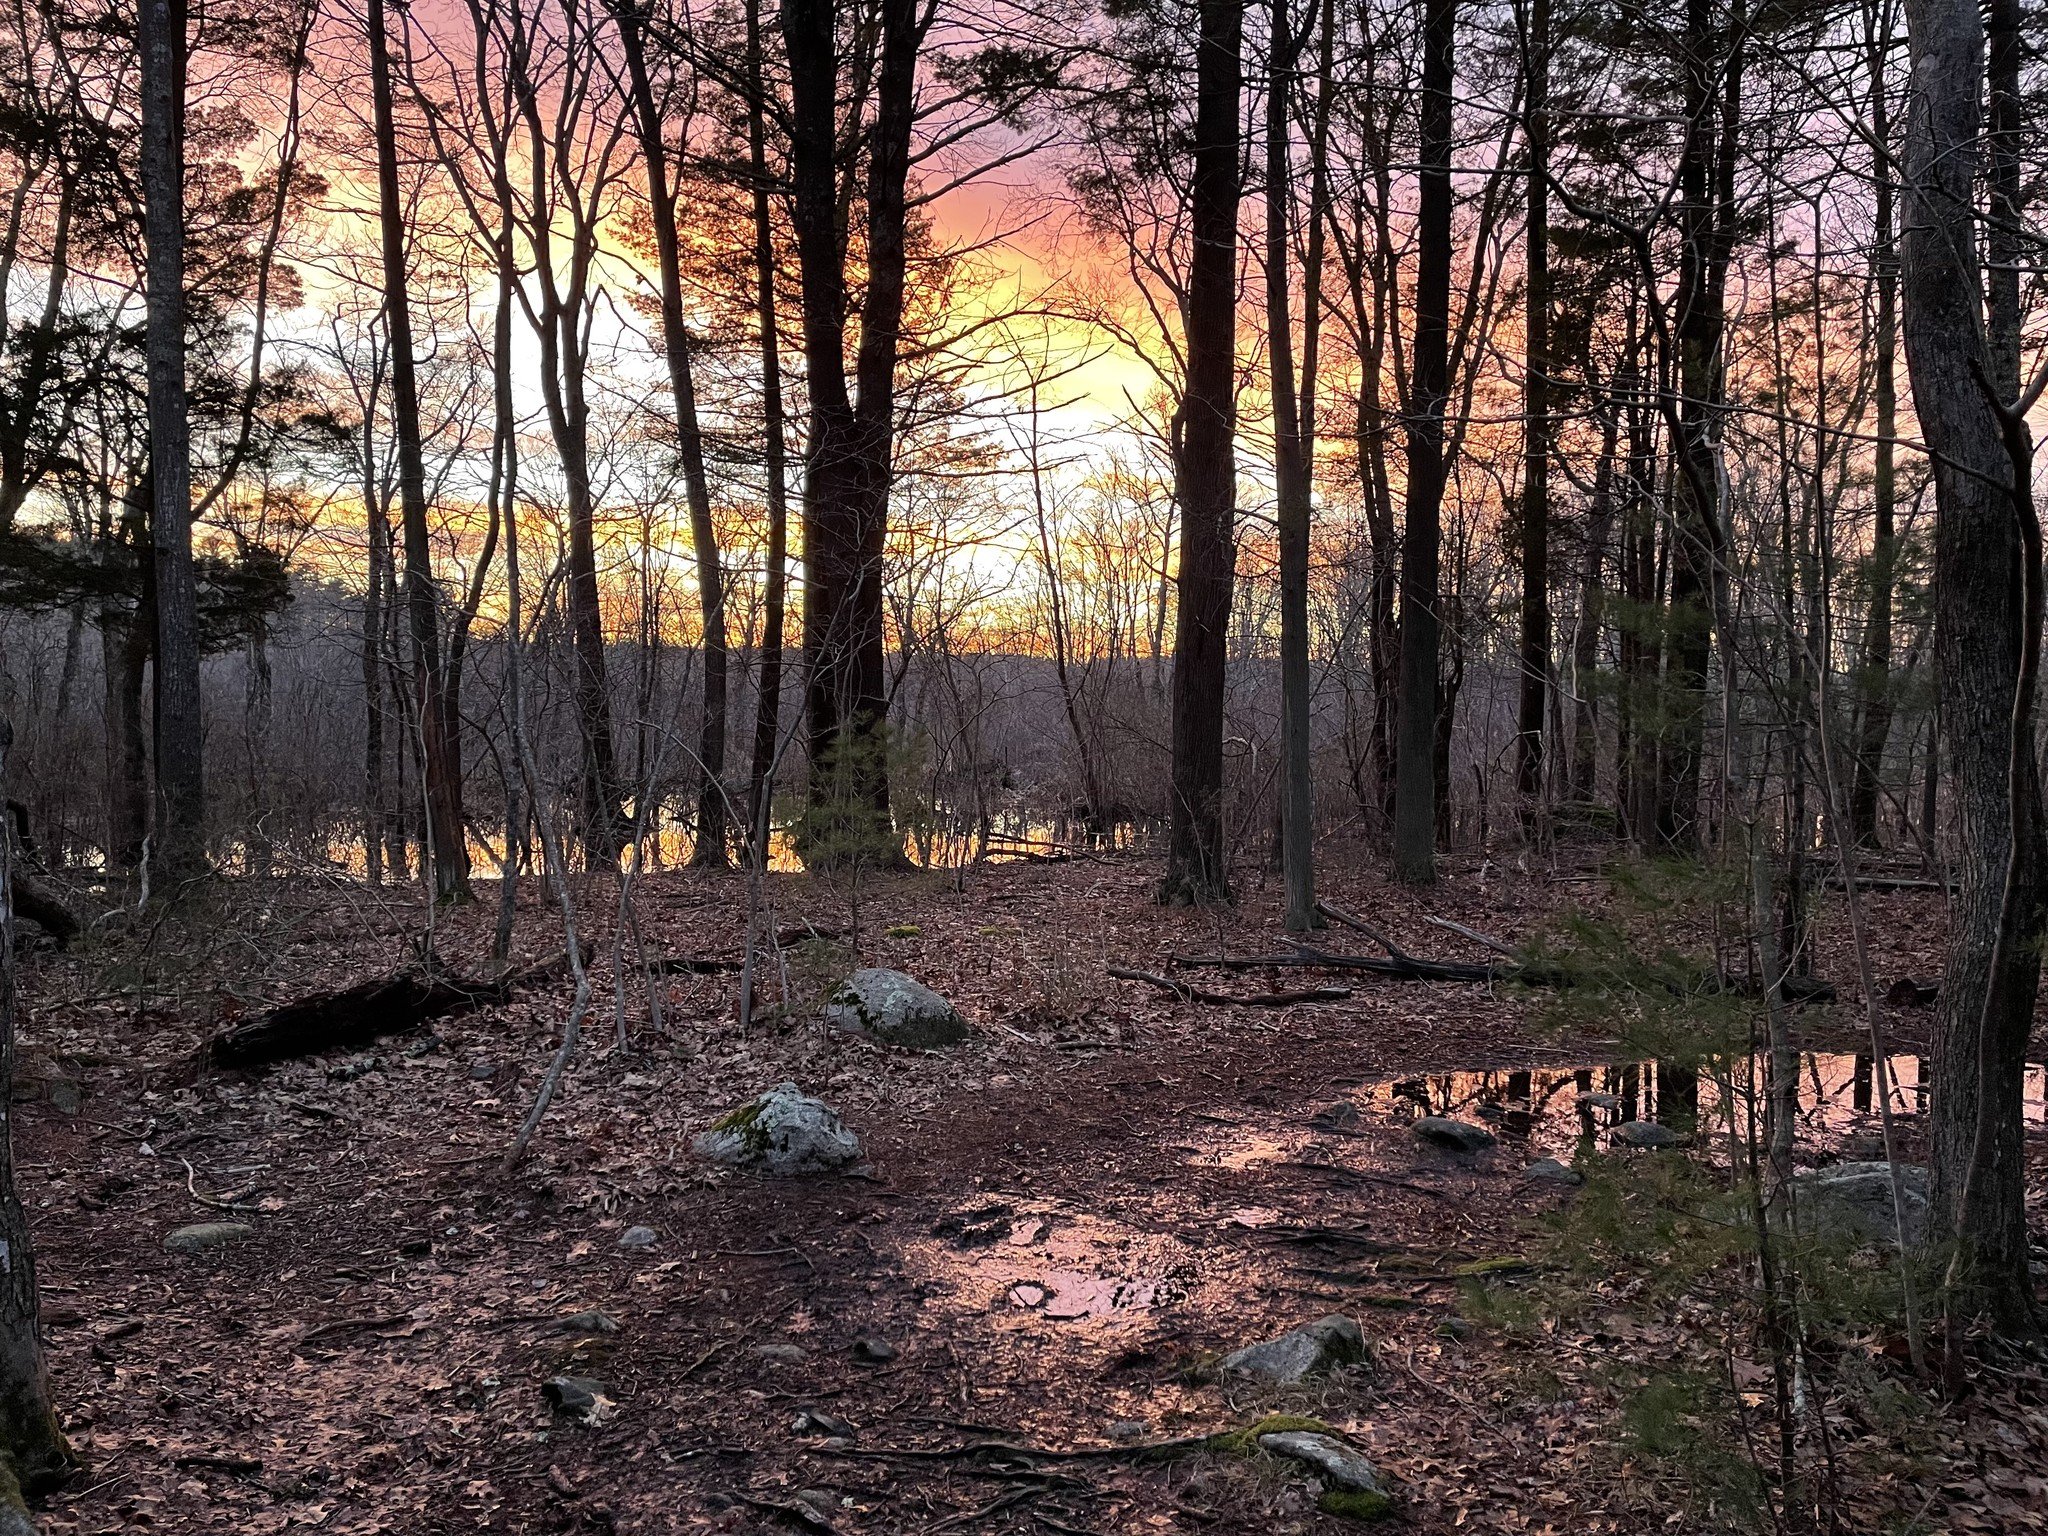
(1987, 574)
(710, 849)
(180, 848)
(1205, 467)
(1873, 681)
(377, 538)
(447, 847)
(768, 688)
(1592, 615)
(1535, 647)
(1712, 67)
(1294, 442)
(33, 1452)
(849, 452)
(1416, 729)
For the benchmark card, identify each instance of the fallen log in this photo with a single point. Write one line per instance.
(353, 1016)
(1188, 994)
(31, 901)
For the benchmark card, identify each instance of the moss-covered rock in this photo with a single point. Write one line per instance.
(783, 1131)
(894, 1008)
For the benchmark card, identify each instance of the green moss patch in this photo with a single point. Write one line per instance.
(1243, 1442)
(1351, 1504)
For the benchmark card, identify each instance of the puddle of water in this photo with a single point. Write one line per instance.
(1550, 1111)
(1553, 1109)
(1027, 1264)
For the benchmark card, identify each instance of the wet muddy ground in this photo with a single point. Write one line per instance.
(1061, 1229)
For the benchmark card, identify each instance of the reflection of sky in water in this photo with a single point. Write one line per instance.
(1554, 1108)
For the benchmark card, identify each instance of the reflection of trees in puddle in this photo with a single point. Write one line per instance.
(1554, 1107)
(1054, 1265)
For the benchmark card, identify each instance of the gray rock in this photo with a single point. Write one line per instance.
(206, 1236)
(1336, 1463)
(783, 1131)
(586, 1322)
(1314, 1349)
(895, 1009)
(639, 1237)
(579, 1397)
(1854, 1200)
(1646, 1134)
(1548, 1170)
(1458, 1135)
(1607, 1101)
(1129, 1431)
(781, 1354)
(874, 1350)
(482, 1071)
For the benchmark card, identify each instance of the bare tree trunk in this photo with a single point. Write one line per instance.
(1415, 791)
(1592, 615)
(1294, 445)
(849, 451)
(768, 687)
(1205, 467)
(180, 849)
(710, 850)
(1873, 682)
(1535, 648)
(1987, 583)
(446, 847)
(33, 1453)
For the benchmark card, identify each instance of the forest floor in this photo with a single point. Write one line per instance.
(1061, 1227)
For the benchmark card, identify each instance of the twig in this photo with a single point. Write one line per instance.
(220, 1203)
(1188, 994)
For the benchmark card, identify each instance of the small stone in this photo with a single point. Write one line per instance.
(587, 1322)
(1314, 1349)
(1606, 1101)
(874, 1350)
(781, 1354)
(1341, 1116)
(65, 1096)
(1548, 1170)
(584, 1398)
(1129, 1431)
(823, 1503)
(1457, 1135)
(1645, 1134)
(816, 1421)
(1336, 1463)
(482, 1071)
(639, 1237)
(1456, 1328)
(206, 1236)
(355, 1067)
(783, 1131)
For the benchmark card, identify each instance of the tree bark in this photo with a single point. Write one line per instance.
(1205, 467)
(1415, 730)
(180, 847)
(34, 1455)
(1873, 682)
(710, 850)
(1535, 647)
(1986, 586)
(849, 454)
(447, 849)
(768, 688)
(1294, 444)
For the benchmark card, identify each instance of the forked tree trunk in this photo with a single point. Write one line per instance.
(1205, 466)
(1986, 584)
(1415, 788)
